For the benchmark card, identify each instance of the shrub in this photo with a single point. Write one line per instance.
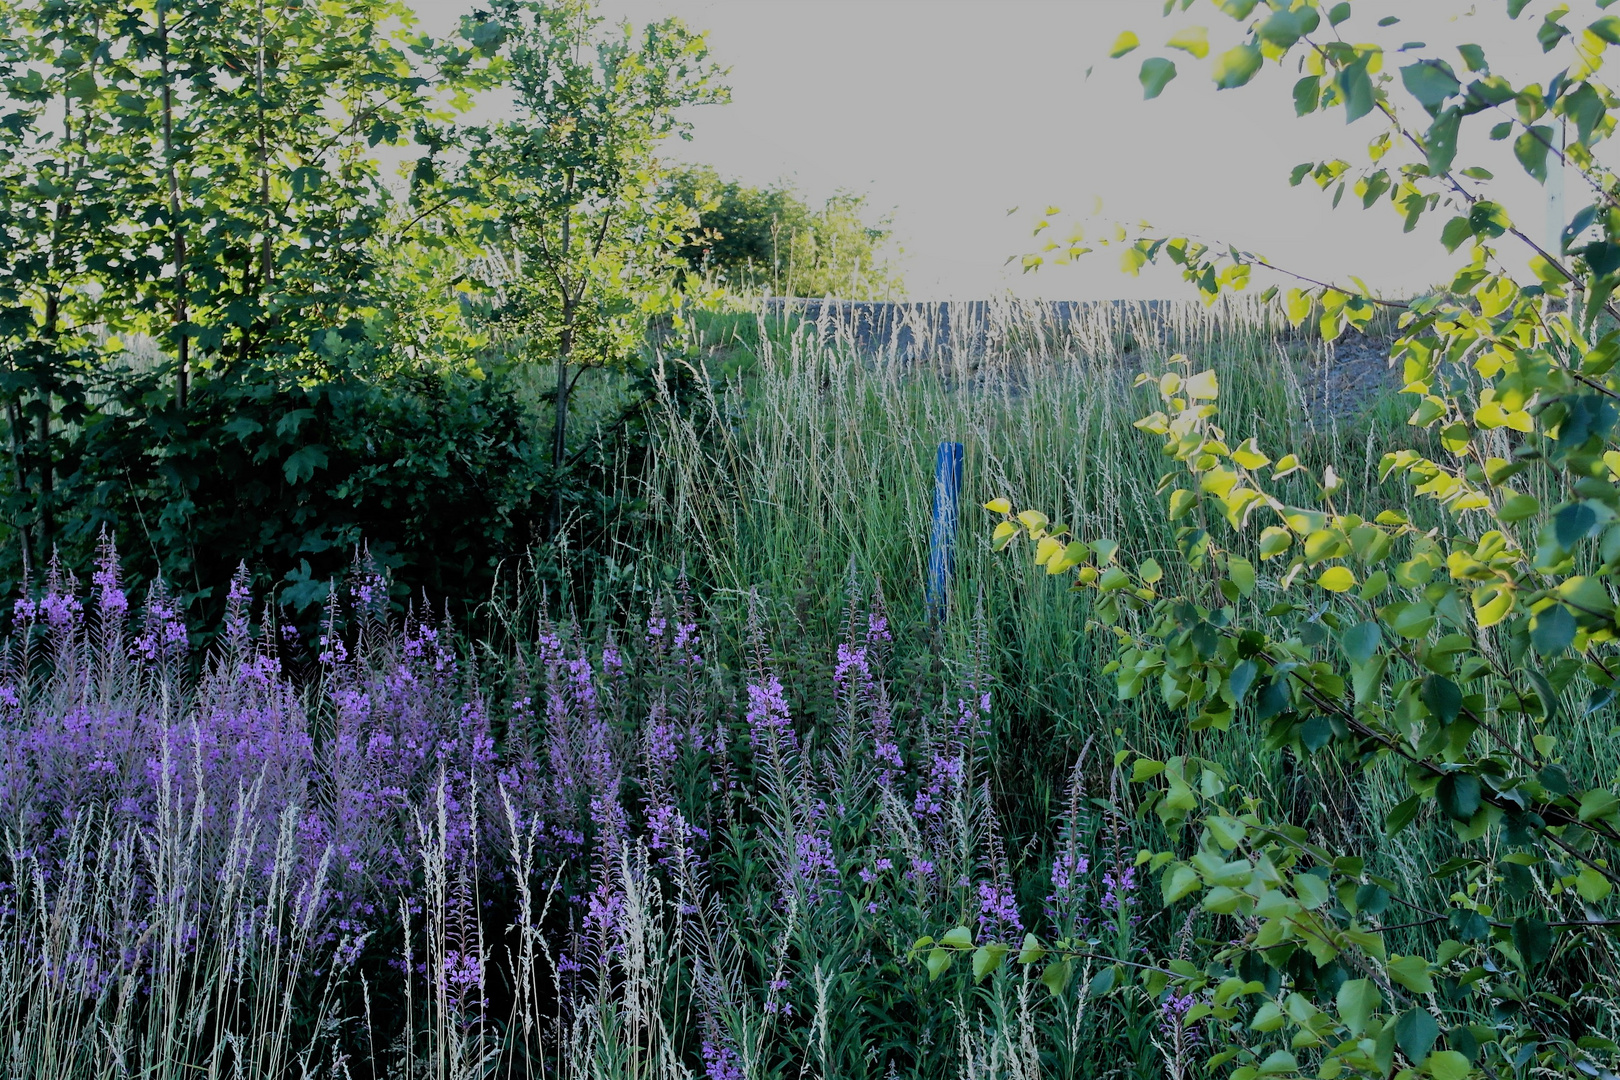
(290, 470)
(1460, 653)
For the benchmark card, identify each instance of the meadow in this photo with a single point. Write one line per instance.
(690, 819)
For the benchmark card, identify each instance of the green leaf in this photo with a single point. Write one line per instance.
(1311, 890)
(1356, 89)
(1549, 33)
(1341, 12)
(1242, 677)
(1544, 691)
(1179, 880)
(1236, 66)
(1268, 1017)
(1155, 75)
(1456, 231)
(1442, 696)
(1531, 150)
(1572, 524)
(939, 961)
(1102, 982)
(986, 958)
(1415, 1033)
(1361, 642)
(1315, 733)
(1592, 886)
(1517, 507)
(1241, 571)
(959, 938)
(1123, 44)
(1552, 630)
(1599, 804)
(1403, 813)
(1440, 142)
(1488, 219)
(1449, 1064)
(1607, 28)
(1533, 939)
(1278, 1061)
(1357, 1000)
(1307, 95)
(1337, 579)
(302, 463)
(1431, 82)
(1411, 972)
(1473, 56)
(1459, 795)
(1056, 976)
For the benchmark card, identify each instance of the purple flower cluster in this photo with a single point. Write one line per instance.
(637, 768)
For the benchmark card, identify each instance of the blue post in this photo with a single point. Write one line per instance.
(942, 537)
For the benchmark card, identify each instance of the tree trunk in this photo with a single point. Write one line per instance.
(183, 375)
(14, 422)
(559, 433)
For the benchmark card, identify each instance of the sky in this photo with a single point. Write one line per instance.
(963, 120)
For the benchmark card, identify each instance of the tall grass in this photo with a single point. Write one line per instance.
(817, 463)
(692, 827)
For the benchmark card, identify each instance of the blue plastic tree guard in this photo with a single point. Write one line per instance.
(942, 537)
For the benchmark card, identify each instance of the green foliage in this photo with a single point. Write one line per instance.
(1459, 647)
(435, 472)
(197, 185)
(576, 216)
(226, 334)
(769, 239)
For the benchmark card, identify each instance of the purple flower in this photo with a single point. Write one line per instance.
(110, 599)
(163, 633)
(1118, 885)
(998, 910)
(1173, 1018)
(721, 1062)
(768, 719)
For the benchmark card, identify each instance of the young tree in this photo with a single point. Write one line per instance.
(577, 217)
(1458, 644)
(59, 220)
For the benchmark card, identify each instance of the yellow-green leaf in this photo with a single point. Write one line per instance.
(999, 506)
(1492, 603)
(1203, 386)
(1337, 579)
(1249, 456)
(1592, 886)
(1193, 39)
(1447, 1065)
(1123, 44)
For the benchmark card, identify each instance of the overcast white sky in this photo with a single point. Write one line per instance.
(949, 113)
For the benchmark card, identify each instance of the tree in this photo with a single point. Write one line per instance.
(585, 240)
(196, 189)
(770, 239)
(58, 223)
(1457, 648)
